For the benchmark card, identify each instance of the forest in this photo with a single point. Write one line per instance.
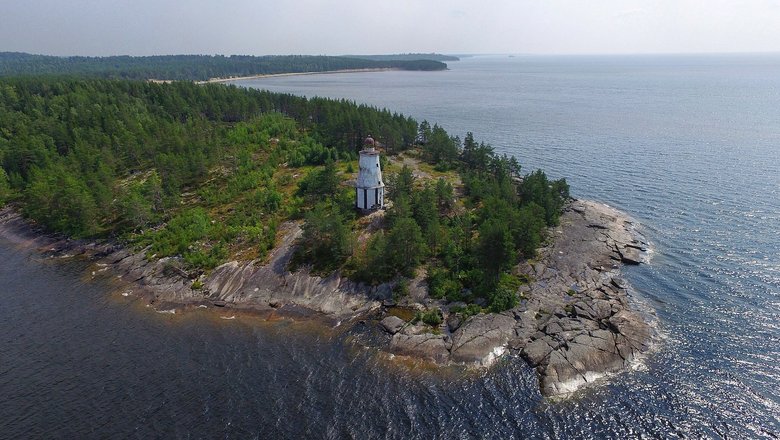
(194, 67)
(208, 173)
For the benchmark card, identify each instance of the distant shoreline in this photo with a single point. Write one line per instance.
(272, 75)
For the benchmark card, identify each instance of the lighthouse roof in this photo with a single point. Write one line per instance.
(369, 147)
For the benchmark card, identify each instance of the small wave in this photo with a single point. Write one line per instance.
(169, 312)
(228, 317)
(492, 357)
(649, 252)
(566, 388)
(127, 293)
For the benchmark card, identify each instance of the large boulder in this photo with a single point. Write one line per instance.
(631, 255)
(392, 324)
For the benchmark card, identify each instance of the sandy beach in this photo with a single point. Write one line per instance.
(272, 75)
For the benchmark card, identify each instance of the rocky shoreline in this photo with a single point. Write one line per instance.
(574, 322)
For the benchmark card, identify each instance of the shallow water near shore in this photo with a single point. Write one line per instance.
(687, 145)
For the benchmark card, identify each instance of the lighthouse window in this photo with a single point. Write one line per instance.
(377, 165)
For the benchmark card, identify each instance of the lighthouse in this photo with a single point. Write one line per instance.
(369, 190)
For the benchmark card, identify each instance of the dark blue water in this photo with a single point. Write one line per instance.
(690, 146)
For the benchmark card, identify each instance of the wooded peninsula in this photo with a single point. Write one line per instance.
(206, 173)
(203, 67)
(213, 194)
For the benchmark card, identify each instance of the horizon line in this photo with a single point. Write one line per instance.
(456, 54)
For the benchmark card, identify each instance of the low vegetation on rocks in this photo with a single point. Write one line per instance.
(205, 174)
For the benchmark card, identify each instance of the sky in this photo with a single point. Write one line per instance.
(331, 27)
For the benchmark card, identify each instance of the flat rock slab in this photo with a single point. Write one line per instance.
(478, 339)
(426, 346)
(537, 351)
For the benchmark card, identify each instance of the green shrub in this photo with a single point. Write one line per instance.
(471, 310)
(432, 317)
(441, 284)
(467, 311)
(504, 297)
(181, 232)
(401, 289)
(326, 241)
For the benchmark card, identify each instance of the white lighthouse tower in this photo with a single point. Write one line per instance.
(369, 190)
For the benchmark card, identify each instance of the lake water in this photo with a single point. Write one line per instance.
(688, 145)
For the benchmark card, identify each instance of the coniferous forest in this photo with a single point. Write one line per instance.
(196, 67)
(208, 173)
